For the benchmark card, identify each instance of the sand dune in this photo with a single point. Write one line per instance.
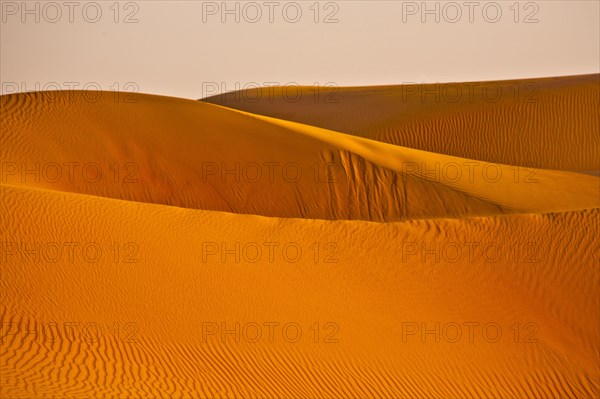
(373, 295)
(549, 123)
(194, 155)
(180, 249)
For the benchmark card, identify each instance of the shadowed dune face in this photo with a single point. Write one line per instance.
(549, 123)
(161, 247)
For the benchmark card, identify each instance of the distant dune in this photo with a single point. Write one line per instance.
(528, 122)
(369, 248)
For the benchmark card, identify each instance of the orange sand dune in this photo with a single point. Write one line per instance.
(180, 249)
(194, 155)
(549, 123)
(150, 322)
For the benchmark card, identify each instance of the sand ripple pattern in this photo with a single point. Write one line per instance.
(368, 293)
(143, 284)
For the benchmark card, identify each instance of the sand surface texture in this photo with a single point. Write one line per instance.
(155, 247)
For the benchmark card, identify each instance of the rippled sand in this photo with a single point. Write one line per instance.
(192, 250)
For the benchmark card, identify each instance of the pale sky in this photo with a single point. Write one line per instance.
(180, 48)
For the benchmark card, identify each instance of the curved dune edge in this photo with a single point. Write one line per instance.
(546, 123)
(369, 292)
(541, 194)
(377, 181)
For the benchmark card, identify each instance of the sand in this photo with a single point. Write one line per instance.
(548, 123)
(179, 274)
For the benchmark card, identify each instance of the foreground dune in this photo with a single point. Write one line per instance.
(367, 290)
(194, 155)
(549, 123)
(167, 248)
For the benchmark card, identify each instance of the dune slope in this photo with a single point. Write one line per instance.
(548, 123)
(194, 155)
